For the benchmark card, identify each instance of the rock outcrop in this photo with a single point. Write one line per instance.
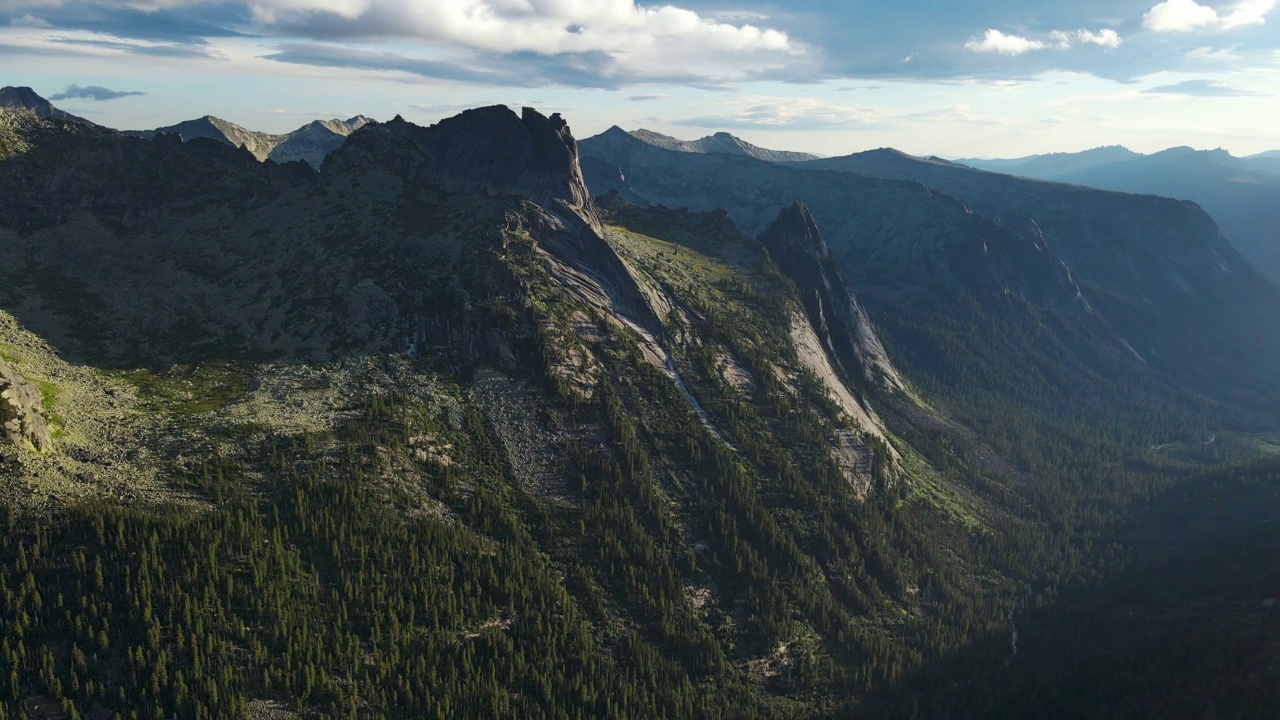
(490, 151)
(22, 420)
(797, 246)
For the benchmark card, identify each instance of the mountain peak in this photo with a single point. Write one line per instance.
(488, 150)
(24, 98)
(720, 143)
(796, 244)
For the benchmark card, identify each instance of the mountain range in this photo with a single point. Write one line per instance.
(480, 420)
(310, 143)
(1241, 194)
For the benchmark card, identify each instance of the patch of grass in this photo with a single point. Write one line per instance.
(190, 389)
(49, 400)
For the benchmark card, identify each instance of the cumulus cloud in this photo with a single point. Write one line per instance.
(1106, 38)
(994, 41)
(1187, 15)
(596, 43)
(92, 92)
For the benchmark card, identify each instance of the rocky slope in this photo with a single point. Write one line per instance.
(22, 412)
(313, 142)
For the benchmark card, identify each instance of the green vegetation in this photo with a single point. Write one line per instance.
(703, 549)
(189, 389)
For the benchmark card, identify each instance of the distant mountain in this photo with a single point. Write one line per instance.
(721, 143)
(1268, 162)
(1054, 165)
(1242, 195)
(313, 142)
(24, 98)
(1150, 274)
(310, 143)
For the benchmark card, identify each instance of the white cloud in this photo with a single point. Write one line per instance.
(546, 27)
(1249, 12)
(1210, 55)
(1106, 38)
(1060, 40)
(1187, 15)
(994, 41)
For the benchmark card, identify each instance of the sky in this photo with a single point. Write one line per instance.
(954, 78)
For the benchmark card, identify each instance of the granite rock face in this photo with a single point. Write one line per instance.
(797, 246)
(22, 420)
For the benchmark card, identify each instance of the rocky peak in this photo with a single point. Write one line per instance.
(797, 246)
(24, 98)
(488, 150)
(796, 234)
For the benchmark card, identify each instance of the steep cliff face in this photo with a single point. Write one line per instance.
(488, 150)
(797, 246)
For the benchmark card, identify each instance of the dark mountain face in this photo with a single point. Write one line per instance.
(24, 98)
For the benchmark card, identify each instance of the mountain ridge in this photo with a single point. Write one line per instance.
(720, 142)
(24, 98)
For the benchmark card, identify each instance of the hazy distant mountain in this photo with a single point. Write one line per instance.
(720, 143)
(310, 143)
(1267, 162)
(24, 98)
(1053, 165)
(1241, 194)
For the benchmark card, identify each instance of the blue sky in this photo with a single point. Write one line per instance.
(960, 78)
